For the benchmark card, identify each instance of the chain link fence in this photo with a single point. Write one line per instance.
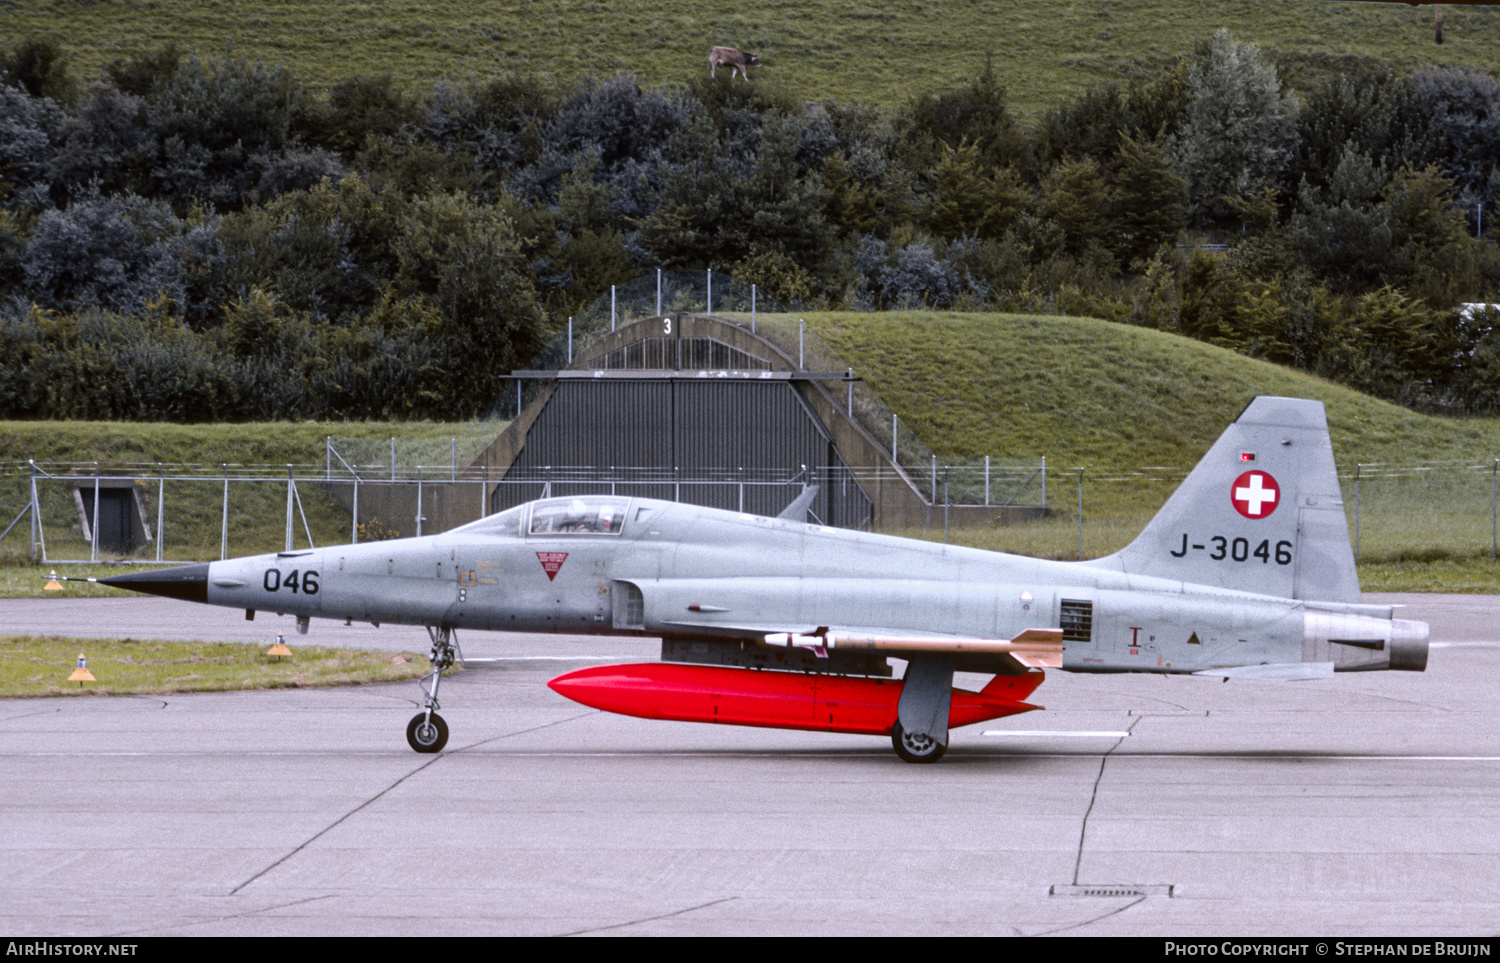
(65, 513)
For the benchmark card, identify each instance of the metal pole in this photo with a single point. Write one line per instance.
(32, 464)
(752, 309)
(419, 501)
(710, 299)
(328, 458)
(1080, 514)
(850, 375)
(1044, 483)
(289, 508)
(658, 292)
(393, 458)
(570, 339)
(934, 478)
(161, 507)
(894, 419)
(224, 526)
(484, 490)
(611, 307)
(453, 464)
(518, 397)
(801, 332)
(945, 506)
(94, 528)
(1357, 469)
(354, 515)
(986, 481)
(1494, 473)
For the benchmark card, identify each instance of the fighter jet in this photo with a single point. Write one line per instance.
(1246, 572)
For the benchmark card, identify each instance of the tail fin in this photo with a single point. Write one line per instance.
(1262, 512)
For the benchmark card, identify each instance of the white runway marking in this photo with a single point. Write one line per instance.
(1056, 732)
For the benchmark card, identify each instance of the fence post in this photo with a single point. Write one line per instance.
(419, 501)
(518, 397)
(94, 525)
(328, 458)
(393, 458)
(570, 339)
(801, 337)
(945, 504)
(484, 490)
(224, 525)
(1080, 514)
(893, 439)
(453, 464)
(354, 515)
(1494, 472)
(161, 509)
(32, 464)
(289, 484)
(986, 481)
(611, 308)
(658, 292)
(752, 309)
(849, 373)
(1044, 484)
(1357, 468)
(710, 299)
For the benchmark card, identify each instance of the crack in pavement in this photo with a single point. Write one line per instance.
(1083, 831)
(648, 919)
(1089, 922)
(326, 829)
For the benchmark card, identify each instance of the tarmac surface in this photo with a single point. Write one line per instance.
(1362, 805)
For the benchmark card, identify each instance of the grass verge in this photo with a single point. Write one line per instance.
(32, 665)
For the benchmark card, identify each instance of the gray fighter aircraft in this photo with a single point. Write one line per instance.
(1246, 572)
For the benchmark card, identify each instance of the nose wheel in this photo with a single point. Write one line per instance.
(913, 747)
(427, 732)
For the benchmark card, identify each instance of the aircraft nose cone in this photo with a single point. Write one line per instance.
(186, 582)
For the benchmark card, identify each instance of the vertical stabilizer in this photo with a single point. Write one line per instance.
(1262, 512)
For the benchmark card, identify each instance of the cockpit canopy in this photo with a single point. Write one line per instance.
(579, 515)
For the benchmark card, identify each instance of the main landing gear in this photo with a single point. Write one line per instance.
(911, 746)
(427, 732)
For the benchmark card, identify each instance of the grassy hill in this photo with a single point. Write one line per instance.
(878, 53)
(1106, 396)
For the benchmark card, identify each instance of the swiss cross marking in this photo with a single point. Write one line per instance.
(1255, 494)
(551, 562)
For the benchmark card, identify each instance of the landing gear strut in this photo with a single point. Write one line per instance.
(427, 732)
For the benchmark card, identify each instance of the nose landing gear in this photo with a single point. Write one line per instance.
(427, 732)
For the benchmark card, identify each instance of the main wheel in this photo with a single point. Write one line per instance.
(427, 736)
(914, 748)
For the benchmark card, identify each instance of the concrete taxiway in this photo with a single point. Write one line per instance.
(1364, 804)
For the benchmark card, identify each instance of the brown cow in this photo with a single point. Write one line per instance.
(735, 60)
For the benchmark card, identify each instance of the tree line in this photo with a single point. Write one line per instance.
(197, 239)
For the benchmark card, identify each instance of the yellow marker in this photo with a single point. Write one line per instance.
(279, 649)
(82, 674)
(53, 585)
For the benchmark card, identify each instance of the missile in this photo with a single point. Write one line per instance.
(773, 699)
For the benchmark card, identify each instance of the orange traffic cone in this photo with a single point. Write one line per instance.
(279, 649)
(82, 674)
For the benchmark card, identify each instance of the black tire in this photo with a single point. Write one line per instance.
(916, 748)
(424, 737)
